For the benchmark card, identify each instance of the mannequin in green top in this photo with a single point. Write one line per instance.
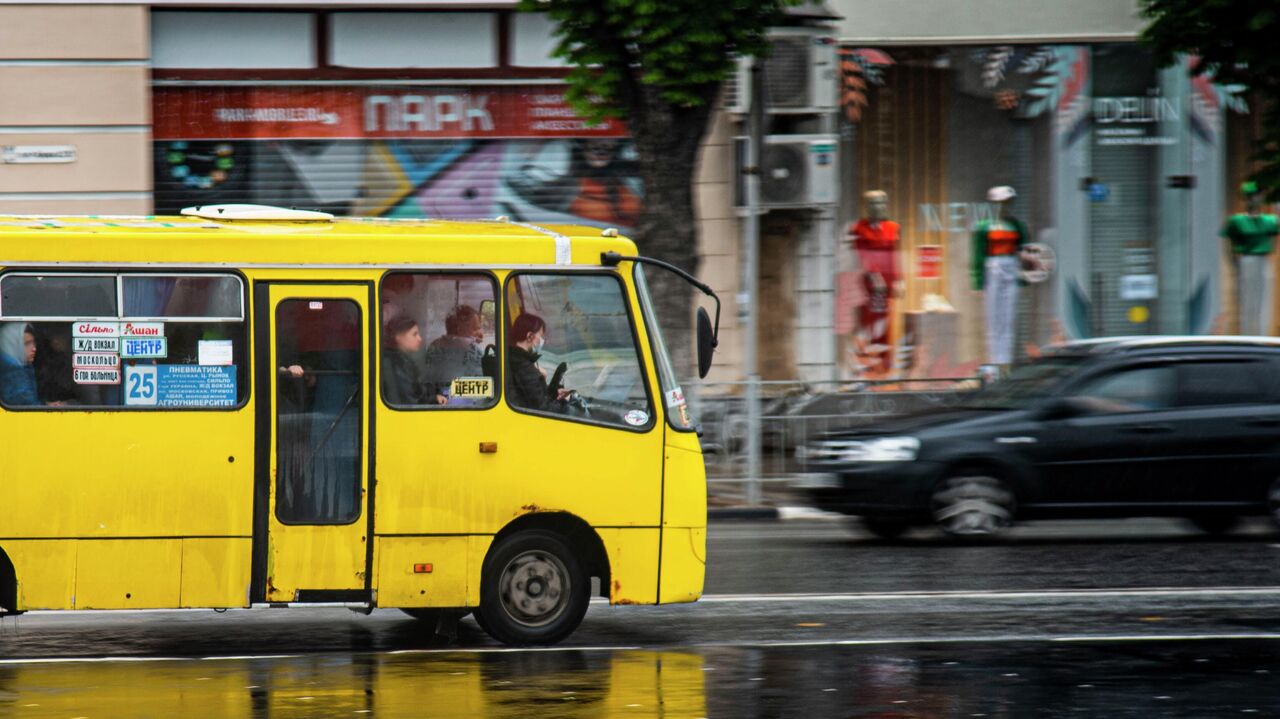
(1252, 236)
(994, 270)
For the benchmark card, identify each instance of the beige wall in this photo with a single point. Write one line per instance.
(718, 241)
(76, 75)
(57, 32)
(985, 21)
(74, 95)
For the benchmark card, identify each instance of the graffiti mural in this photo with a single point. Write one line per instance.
(458, 154)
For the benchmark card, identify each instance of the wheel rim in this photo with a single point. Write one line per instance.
(973, 506)
(535, 588)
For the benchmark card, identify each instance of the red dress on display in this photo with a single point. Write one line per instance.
(876, 243)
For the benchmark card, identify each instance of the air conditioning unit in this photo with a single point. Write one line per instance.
(797, 171)
(800, 75)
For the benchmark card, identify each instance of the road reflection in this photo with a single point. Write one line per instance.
(566, 684)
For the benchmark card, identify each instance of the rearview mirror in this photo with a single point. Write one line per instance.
(706, 343)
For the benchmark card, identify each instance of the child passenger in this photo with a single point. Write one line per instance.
(402, 381)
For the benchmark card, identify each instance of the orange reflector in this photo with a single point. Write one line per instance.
(488, 447)
(422, 568)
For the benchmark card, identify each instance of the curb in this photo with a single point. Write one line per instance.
(741, 513)
(770, 513)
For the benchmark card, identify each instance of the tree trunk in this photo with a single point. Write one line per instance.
(667, 139)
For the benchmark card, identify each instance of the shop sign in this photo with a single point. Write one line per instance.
(95, 376)
(1124, 120)
(357, 112)
(1138, 287)
(144, 347)
(96, 344)
(929, 262)
(37, 154)
(95, 329)
(142, 329)
(180, 385)
(95, 360)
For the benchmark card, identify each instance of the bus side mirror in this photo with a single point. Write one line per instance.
(706, 343)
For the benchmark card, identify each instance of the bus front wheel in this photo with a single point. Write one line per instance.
(533, 590)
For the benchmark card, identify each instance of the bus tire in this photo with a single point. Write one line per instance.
(533, 589)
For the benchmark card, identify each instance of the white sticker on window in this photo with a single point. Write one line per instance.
(675, 398)
(637, 417)
(214, 352)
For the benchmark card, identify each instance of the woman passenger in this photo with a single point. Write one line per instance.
(17, 368)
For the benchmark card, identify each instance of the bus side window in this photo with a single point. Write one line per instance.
(436, 331)
(572, 350)
(118, 340)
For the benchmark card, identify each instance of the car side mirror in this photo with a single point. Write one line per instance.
(706, 343)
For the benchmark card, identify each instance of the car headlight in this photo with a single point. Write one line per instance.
(879, 449)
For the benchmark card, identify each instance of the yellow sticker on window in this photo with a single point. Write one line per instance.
(472, 387)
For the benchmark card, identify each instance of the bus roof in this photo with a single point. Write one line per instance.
(102, 240)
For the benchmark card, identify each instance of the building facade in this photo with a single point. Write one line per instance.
(1124, 172)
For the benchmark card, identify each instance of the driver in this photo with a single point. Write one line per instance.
(526, 381)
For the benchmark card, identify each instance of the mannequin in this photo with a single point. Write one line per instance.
(997, 244)
(1252, 236)
(875, 240)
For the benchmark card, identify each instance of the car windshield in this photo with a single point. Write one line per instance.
(1025, 384)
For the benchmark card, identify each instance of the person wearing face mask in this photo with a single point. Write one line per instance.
(17, 368)
(526, 381)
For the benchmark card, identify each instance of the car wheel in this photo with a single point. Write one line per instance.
(1215, 523)
(972, 505)
(532, 590)
(885, 528)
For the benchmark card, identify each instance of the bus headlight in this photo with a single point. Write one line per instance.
(877, 449)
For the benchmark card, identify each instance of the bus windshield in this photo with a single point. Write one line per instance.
(672, 394)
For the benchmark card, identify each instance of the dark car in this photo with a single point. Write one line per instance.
(1157, 426)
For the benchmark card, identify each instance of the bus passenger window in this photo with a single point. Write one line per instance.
(437, 329)
(137, 341)
(571, 350)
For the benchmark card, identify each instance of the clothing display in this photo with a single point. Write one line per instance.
(1000, 301)
(1251, 234)
(876, 244)
(994, 270)
(1253, 293)
(1252, 237)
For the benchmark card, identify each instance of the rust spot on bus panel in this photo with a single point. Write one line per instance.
(617, 587)
(530, 509)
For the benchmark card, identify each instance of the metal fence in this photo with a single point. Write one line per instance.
(791, 414)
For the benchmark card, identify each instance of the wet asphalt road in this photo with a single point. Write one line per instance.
(1135, 618)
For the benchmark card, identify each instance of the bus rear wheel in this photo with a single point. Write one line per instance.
(533, 590)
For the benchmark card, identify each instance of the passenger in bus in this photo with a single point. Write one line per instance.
(17, 365)
(402, 381)
(527, 382)
(456, 353)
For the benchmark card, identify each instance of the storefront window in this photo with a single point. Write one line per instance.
(1106, 174)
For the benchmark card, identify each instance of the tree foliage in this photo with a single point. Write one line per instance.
(658, 65)
(1235, 42)
(683, 49)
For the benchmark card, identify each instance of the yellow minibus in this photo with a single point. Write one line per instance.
(247, 406)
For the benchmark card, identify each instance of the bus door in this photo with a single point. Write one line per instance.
(312, 524)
